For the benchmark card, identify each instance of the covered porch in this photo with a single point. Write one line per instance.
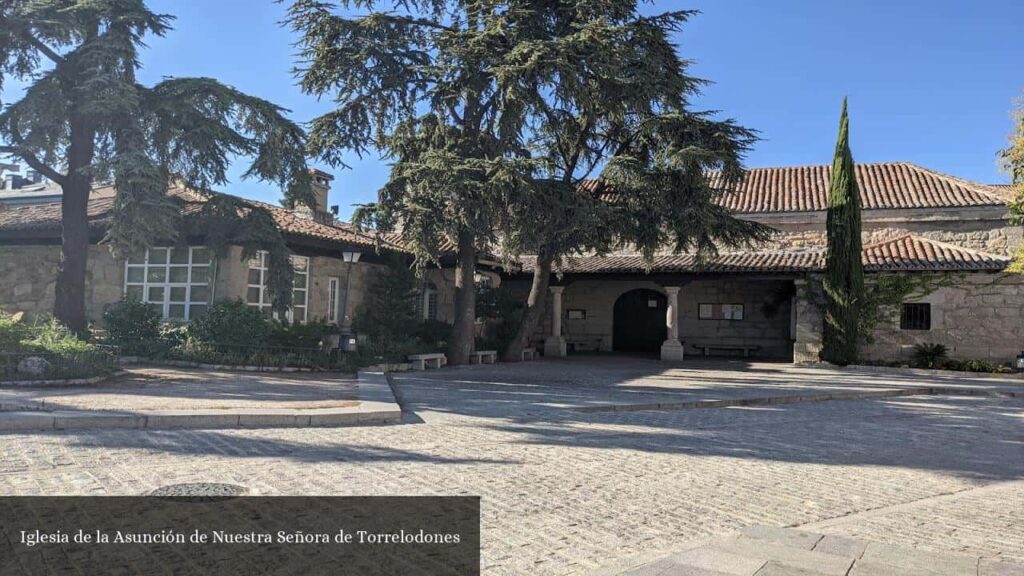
(673, 317)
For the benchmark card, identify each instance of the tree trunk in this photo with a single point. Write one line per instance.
(535, 304)
(463, 332)
(69, 293)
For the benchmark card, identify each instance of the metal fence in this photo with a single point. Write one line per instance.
(58, 365)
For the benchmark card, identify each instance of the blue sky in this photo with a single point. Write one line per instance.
(929, 81)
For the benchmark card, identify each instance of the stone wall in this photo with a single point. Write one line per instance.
(985, 229)
(28, 276)
(981, 318)
(766, 315)
(322, 269)
(444, 281)
(232, 279)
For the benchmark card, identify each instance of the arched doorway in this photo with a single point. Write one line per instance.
(639, 321)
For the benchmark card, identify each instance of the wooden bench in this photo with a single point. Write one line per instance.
(424, 361)
(529, 354)
(483, 357)
(707, 348)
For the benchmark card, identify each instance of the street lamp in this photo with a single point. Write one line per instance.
(348, 341)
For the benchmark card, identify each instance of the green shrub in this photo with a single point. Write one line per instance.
(953, 364)
(64, 354)
(976, 366)
(172, 334)
(230, 324)
(929, 355)
(501, 312)
(49, 335)
(373, 352)
(384, 321)
(984, 366)
(308, 335)
(434, 334)
(12, 331)
(132, 325)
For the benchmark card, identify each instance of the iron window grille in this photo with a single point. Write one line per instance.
(916, 316)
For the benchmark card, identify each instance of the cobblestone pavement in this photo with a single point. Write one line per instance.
(159, 388)
(565, 492)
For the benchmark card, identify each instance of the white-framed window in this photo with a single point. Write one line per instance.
(332, 299)
(705, 311)
(256, 293)
(426, 305)
(176, 280)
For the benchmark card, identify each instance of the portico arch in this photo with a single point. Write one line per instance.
(638, 322)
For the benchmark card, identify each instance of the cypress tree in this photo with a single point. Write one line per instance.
(844, 273)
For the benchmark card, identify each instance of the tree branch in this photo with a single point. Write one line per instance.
(33, 162)
(412, 21)
(46, 50)
(35, 42)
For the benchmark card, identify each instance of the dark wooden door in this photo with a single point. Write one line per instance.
(639, 321)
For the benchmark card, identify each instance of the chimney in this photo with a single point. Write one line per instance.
(321, 189)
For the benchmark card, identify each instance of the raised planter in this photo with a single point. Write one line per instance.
(59, 383)
(929, 372)
(221, 367)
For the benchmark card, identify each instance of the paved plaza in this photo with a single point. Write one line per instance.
(570, 491)
(165, 388)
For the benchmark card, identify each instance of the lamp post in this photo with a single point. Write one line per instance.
(348, 341)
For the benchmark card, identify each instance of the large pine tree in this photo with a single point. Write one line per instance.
(416, 81)
(607, 98)
(495, 112)
(844, 273)
(84, 118)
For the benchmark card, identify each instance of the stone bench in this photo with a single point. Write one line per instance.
(424, 361)
(529, 354)
(483, 357)
(585, 342)
(707, 348)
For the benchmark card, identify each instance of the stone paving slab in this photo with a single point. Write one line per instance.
(768, 551)
(372, 403)
(593, 384)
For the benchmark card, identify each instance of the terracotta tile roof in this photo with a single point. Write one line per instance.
(46, 217)
(774, 261)
(906, 253)
(915, 253)
(890, 185)
(1007, 192)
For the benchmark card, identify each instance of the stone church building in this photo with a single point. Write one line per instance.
(755, 302)
(751, 303)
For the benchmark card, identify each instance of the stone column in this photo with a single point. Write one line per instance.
(672, 348)
(554, 346)
(808, 326)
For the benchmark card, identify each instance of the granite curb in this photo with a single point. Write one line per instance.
(377, 405)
